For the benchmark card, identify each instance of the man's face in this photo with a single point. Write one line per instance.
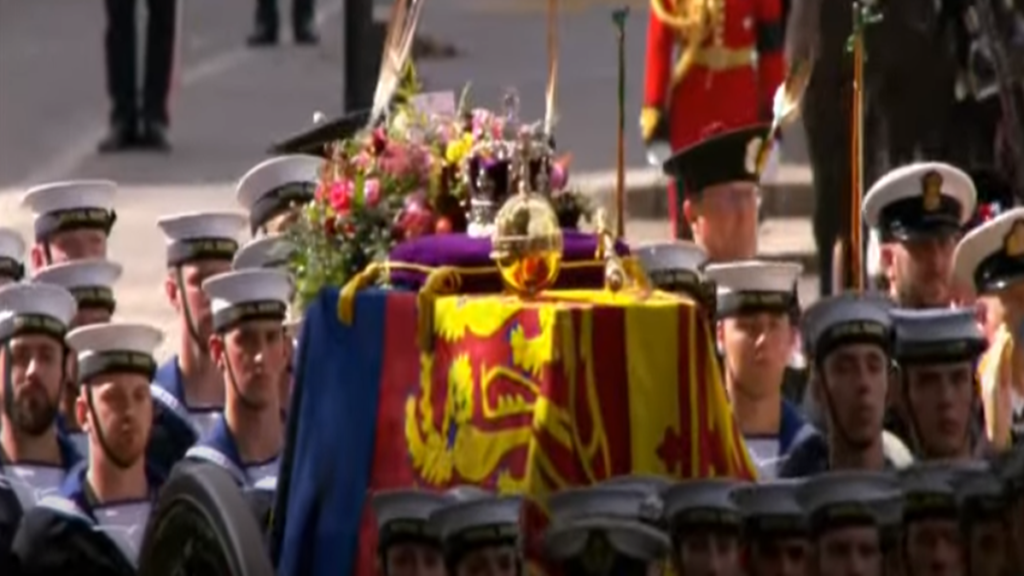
(724, 221)
(934, 548)
(36, 371)
(71, 245)
(413, 559)
(708, 553)
(488, 561)
(989, 549)
(124, 413)
(856, 378)
(919, 269)
(757, 348)
(940, 399)
(852, 551)
(282, 222)
(193, 274)
(780, 557)
(257, 355)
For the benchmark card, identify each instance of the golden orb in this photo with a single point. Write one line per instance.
(527, 244)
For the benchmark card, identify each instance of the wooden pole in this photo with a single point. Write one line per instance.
(619, 17)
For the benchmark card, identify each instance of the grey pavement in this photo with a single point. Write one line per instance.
(231, 102)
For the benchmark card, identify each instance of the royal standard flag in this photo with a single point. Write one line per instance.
(514, 395)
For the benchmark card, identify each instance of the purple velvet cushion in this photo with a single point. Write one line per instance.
(462, 251)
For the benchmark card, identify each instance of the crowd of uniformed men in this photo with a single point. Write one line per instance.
(896, 455)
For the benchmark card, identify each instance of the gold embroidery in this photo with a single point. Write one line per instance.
(1014, 243)
(931, 191)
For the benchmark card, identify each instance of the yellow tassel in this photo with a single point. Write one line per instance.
(442, 281)
(347, 297)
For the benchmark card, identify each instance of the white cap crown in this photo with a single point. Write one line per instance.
(38, 299)
(70, 195)
(90, 272)
(755, 276)
(270, 251)
(907, 182)
(678, 255)
(244, 286)
(197, 225)
(12, 245)
(276, 172)
(1005, 233)
(114, 337)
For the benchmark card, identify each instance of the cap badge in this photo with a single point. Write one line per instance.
(1014, 243)
(931, 191)
(753, 148)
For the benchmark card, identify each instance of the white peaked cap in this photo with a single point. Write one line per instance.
(38, 299)
(905, 182)
(267, 251)
(81, 273)
(755, 276)
(196, 225)
(986, 240)
(12, 245)
(276, 172)
(243, 286)
(70, 195)
(114, 337)
(678, 255)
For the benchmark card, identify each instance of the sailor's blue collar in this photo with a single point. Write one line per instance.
(168, 377)
(222, 440)
(69, 456)
(791, 425)
(74, 488)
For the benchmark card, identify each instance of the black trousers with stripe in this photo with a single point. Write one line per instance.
(122, 60)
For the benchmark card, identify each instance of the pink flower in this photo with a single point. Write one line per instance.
(340, 196)
(371, 192)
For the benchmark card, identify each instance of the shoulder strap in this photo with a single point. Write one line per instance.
(211, 454)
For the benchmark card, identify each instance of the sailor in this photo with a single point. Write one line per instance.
(704, 524)
(918, 211)
(716, 185)
(931, 519)
(406, 545)
(991, 258)
(604, 530)
(96, 523)
(480, 536)
(91, 282)
(72, 220)
(848, 338)
(936, 351)
(273, 251)
(12, 256)
(249, 349)
(756, 333)
(676, 267)
(274, 191)
(985, 525)
(189, 385)
(846, 511)
(34, 456)
(774, 529)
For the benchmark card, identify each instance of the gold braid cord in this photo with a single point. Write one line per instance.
(694, 22)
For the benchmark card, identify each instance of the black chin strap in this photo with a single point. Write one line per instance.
(835, 424)
(101, 437)
(247, 402)
(190, 324)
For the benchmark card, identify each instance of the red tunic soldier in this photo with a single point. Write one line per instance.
(730, 62)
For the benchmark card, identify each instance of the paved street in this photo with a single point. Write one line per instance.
(230, 103)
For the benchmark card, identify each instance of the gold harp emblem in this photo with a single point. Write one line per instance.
(1014, 243)
(931, 191)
